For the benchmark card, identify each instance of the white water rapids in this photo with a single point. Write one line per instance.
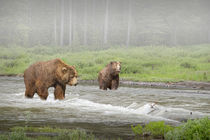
(89, 105)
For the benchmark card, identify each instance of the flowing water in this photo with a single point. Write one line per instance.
(108, 113)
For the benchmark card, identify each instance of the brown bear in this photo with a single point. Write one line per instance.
(108, 77)
(53, 73)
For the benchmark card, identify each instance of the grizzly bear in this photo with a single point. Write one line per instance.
(53, 73)
(108, 77)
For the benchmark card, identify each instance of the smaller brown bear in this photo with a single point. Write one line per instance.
(108, 77)
(53, 73)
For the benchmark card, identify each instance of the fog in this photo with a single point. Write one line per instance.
(104, 22)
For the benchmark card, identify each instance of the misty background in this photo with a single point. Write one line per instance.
(104, 23)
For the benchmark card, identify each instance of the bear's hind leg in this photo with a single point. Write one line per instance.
(103, 86)
(30, 91)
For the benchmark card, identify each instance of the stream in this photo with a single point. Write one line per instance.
(108, 113)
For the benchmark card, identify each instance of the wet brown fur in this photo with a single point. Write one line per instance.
(42, 75)
(108, 77)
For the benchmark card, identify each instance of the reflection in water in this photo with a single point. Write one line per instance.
(99, 111)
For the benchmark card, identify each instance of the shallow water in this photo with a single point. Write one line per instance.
(104, 112)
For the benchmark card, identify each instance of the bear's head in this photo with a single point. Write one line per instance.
(69, 75)
(116, 67)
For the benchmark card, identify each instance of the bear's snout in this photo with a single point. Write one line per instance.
(73, 82)
(118, 68)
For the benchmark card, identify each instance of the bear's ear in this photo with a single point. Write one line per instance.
(64, 69)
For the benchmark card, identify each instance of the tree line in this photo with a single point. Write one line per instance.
(104, 22)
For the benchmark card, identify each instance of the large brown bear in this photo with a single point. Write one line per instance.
(53, 73)
(108, 77)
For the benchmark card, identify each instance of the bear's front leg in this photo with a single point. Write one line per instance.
(42, 92)
(114, 85)
(115, 82)
(59, 92)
